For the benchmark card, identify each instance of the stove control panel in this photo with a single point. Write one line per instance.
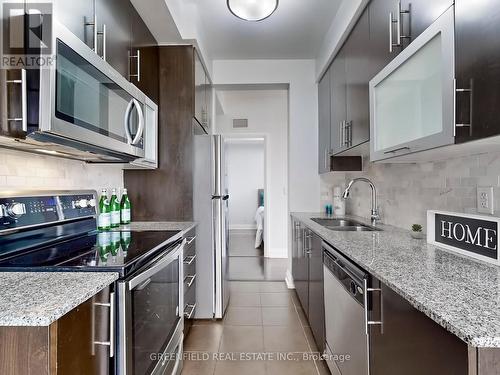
(18, 212)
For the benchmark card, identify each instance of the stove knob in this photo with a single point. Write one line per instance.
(15, 210)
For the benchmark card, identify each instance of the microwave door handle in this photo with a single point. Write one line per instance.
(126, 121)
(140, 113)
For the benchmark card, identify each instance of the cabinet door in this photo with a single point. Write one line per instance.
(380, 40)
(324, 130)
(338, 102)
(477, 54)
(199, 89)
(78, 333)
(143, 58)
(316, 295)
(300, 270)
(74, 15)
(358, 73)
(422, 13)
(113, 23)
(409, 342)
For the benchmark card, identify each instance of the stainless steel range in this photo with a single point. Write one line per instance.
(56, 231)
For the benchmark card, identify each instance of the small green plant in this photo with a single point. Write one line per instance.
(416, 228)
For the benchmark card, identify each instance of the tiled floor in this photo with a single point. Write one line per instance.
(248, 263)
(263, 320)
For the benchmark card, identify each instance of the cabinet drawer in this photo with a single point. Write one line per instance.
(190, 294)
(189, 265)
(189, 283)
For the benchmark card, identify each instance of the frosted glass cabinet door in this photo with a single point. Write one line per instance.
(411, 100)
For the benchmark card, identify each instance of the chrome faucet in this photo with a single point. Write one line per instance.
(374, 215)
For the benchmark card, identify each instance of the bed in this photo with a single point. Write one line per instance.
(259, 219)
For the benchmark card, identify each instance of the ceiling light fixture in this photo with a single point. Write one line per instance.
(252, 10)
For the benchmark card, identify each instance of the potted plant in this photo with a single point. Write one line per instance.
(416, 232)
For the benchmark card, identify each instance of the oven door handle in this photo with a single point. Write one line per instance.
(156, 267)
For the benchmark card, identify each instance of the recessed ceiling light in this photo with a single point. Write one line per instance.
(252, 10)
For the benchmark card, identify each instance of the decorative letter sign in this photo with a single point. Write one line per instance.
(472, 235)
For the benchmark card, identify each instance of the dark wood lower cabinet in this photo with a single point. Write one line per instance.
(66, 347)
(409, 342)
(307, 272)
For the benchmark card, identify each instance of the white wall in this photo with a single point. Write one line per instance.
(245, 170)
(267, 114)
(22, 170)
(303, 181)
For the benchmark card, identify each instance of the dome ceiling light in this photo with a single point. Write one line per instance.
(252, 10)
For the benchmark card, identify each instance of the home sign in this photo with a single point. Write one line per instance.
(472, 235)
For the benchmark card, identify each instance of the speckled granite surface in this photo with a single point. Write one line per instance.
(40, 298)
(459, 293)
(161, 225)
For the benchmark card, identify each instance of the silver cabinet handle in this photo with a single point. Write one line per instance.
(112, 324)
(192, 307)
(103, 34)
(190, 240)
(398, 23)
(93, 23)
(397, 149)
(469, 91)
(189, 259)
(368, 322)
(137, 75)
(342, 135)
(24, 100)
(191, 278)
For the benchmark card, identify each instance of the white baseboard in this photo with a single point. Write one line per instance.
(276, 252)
(289, 280)
(242, 227)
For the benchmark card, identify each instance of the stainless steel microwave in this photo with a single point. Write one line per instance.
(78, 107)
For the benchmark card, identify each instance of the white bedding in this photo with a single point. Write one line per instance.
(259, 219)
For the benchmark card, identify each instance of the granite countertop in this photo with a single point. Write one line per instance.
(184, 226)
(459, 293)
(40, 298)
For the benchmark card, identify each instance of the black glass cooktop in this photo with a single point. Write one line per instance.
(120, 251)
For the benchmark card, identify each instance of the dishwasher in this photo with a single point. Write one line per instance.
(346, 314)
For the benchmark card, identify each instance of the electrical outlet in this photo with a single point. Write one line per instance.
(485, 199)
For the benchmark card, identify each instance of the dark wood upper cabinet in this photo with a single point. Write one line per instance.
(338, 102)
(203, 95)
(113, 41)
(324, 128)
(379, 39)
(358, 70)
(477, 69)
(76, 15)
(422, 13)
(143, 57)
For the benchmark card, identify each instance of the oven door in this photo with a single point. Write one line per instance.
(83, 99)
(150, 317)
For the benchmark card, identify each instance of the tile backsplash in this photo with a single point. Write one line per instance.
(25, 171)
(407, 191)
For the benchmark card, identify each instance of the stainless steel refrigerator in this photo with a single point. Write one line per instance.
(211, 203)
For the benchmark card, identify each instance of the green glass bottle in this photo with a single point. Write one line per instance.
(125, 208)
(115, 210)
(104, 218)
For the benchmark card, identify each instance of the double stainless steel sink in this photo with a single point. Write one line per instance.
(347, 225)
